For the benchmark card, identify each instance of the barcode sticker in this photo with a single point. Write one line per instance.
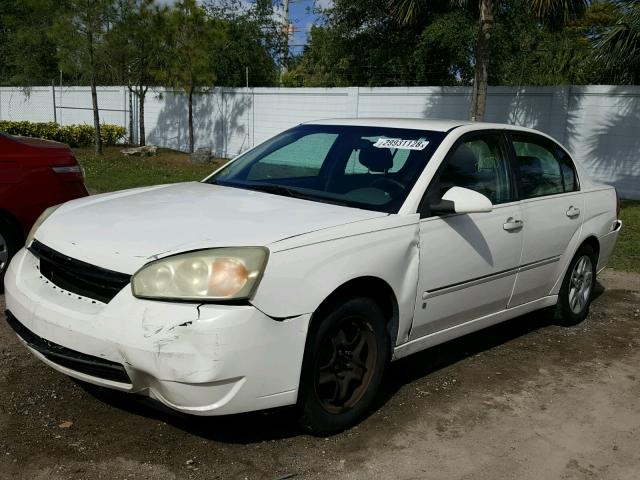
(401, 144)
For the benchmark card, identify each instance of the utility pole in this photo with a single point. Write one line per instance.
(285, 48)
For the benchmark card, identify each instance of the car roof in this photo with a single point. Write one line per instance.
(438, 125)
(411, 123)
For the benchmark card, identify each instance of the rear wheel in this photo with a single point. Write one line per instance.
(9, 245)
(577, 288)
(346, 355)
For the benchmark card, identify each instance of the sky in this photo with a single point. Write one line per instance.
(300, 15)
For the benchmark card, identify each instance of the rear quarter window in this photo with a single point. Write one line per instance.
(569, 177)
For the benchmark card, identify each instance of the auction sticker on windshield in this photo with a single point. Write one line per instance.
(400, 143)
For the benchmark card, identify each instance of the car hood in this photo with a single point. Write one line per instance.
(124, 230)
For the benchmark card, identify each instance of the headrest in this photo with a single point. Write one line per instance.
(530, 165)
(376, 159)
(464, 161)
(530, 170)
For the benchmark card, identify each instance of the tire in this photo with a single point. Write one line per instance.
(9, 245)
(577, 288)
(346, 355)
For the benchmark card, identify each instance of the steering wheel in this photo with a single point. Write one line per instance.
(394, 184)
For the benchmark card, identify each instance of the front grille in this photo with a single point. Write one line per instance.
(78, 277)
(65, 357)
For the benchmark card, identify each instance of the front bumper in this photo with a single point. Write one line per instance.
(200, 359)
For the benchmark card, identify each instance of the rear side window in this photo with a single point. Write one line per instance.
(543, 170)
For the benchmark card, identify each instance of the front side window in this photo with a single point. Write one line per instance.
(373, 168)
(479, 164)
(541, 172)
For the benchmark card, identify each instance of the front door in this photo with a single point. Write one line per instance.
(468, 262)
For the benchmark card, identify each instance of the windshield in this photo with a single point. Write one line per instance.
(365, 167)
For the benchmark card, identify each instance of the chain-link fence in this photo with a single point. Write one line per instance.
(68, 105)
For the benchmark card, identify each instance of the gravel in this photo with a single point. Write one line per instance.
(523, 400)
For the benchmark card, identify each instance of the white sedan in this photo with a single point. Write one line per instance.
(294, 274)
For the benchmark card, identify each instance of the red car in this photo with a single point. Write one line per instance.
(34, 174)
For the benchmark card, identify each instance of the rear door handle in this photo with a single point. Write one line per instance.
(573, 212)
(512, 224)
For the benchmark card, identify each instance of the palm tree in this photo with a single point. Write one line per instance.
(555, 11)
(619, 48)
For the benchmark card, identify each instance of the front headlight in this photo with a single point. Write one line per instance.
(41, 219)
(216, 274)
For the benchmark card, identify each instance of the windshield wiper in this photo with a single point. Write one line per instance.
(274, 188)
(285, 191)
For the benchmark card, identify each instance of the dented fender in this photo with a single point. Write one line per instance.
(305, 270)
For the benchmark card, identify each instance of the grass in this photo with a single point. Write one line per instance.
(114, 171)
(626, 256)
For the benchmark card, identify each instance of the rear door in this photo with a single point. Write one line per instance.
(552, 210)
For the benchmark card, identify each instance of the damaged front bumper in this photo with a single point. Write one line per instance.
(200, 359)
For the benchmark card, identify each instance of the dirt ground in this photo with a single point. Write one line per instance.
(522, 400)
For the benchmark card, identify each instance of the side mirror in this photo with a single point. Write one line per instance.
(462, 200)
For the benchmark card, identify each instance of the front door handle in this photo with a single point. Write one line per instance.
(512, 224)
(573, 212)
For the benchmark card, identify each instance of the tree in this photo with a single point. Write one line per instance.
(27, 54)
(359, 43)
(445, 49)
(619, 48)
(535, 53)
(552, 11)
(134, 49)
(190, 36)
(254, 39)
(118, 54)
(79, 34)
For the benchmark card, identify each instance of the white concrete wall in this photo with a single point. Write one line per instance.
(600, 125)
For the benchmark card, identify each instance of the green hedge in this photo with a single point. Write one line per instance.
(73, 135)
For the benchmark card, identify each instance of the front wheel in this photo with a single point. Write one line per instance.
(577, 288)
(345, 359)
